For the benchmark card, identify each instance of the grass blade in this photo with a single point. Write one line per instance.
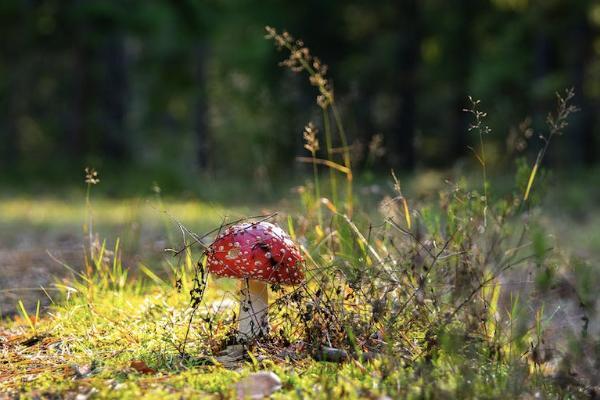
(150, 274)
(406, 213)
(26, 316)
(530, 182)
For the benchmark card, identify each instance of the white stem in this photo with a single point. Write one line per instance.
(254, 305)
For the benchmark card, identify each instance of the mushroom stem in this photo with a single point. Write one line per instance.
(254, 306)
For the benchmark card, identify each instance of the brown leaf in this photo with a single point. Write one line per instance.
(141, 367)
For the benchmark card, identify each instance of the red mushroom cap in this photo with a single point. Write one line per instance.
(260, 251)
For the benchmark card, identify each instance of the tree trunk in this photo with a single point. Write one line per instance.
(543, 63)
(462, 44)
(115, 141)
(9, 152)
(201, 110)
(583, 146)
(402, 144)
(75, 115)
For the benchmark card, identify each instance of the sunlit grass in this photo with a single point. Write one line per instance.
(89, 340)
(48, 211)
(103, 323)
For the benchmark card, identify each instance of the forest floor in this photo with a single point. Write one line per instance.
(125, 345)
(118, 346)
(119, 335)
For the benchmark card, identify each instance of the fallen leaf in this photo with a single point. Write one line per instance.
(141, 367)
(258, 386)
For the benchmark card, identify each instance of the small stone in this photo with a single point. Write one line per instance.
(258, 385)
(331, 354)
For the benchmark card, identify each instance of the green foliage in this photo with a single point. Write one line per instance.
(177, 90)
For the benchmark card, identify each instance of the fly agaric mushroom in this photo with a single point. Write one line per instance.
(259, 253)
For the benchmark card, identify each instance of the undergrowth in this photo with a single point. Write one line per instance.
(458, 297)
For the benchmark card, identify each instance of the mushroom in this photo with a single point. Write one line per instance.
(258, 253)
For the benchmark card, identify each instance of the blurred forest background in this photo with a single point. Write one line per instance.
(174, 91)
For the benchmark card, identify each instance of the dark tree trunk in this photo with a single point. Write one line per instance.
(201, 114)
(583, 146)
(365, 127)
(543, 64)
(544, 60)
(74, 118)
(9, 151)
(461, 52)
(13, 100)
(115, 143)
(402, 144)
